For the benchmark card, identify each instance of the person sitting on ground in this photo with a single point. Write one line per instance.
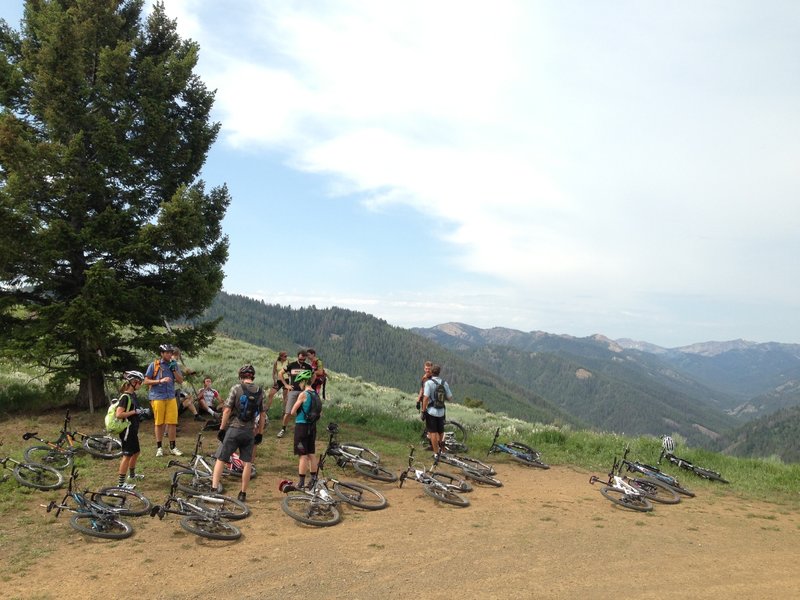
(208, 399)
(186, 402)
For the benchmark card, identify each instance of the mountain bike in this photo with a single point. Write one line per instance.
(472, 468)
(318, 505)
(619, 491)
(454, 437)
(206, 515)
(518, 451)
(431, 485)
(33, 475)
(666, 452)
(59, 454)
(91, 515)
(655, 473)
(362, 459)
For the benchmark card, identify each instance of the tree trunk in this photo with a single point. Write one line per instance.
(91, 393)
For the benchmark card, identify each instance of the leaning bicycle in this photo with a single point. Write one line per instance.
(431, 485)
(361, 458)
(522, 453)
(668, 445)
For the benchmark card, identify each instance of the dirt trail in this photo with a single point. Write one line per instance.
(545, 534)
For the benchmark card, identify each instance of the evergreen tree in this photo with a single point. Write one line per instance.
(106, 230)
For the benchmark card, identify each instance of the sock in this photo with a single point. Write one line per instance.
(172, 444)
(121, 479)
(158, 444)
(132, 472)
(301, 480)
(314, 477)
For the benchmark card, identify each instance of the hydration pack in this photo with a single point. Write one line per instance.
(113, 424)
(248, 404)
(439, 395)
(315, 410)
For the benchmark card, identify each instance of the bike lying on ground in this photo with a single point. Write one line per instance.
(206, 515)
(59, 454)
(94, 513)
(472, 468)
(362, 459)
(621, 492)
(518, 451)
(668, 446)
(431, 482)
(454, 437)
(33, 475)
(318, 504)
(655, 473)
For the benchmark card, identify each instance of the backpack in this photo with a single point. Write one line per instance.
(315, 410)
(247, 409)
(113, 424)
(439, 395)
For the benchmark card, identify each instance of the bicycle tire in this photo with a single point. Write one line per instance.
(461, 485)
(123, 501)
(625, 500)
(110, 528)
(529, 462)
(445, 495)
(193, 482)
(50, 457)
(229, 508)
(213, 529)
(360, 495)
(709, 474)
(36, 476)
(375, 472)
(304, 509)
(655, 490)
(102, 446)
(457, 429)
(479, 477)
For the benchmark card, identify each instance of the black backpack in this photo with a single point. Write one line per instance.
(315, 410)
(247, 409)
(439, 395)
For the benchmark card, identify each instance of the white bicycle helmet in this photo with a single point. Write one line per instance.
(668, 444)
(130, 376)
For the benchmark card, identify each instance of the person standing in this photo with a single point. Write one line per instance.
(435, 392)
(305, 431)
(241, 428)
(161, 376)
(320, 378)
(128, 408)
(293, 369)
(280, 381)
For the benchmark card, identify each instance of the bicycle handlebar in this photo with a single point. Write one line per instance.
(29, 435)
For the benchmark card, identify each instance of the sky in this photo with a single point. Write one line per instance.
(624, 168)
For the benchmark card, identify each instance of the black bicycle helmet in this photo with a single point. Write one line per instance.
(166, 348)
(247, 371)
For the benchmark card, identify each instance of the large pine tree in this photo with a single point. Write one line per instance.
(105, 228)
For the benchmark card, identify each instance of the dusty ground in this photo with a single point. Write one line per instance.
(545, 534)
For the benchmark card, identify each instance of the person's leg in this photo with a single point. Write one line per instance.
(159, 414)
(123, 469)
(246, 471)
(217, 474)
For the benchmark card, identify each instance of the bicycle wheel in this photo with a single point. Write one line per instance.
(639, 503)
(445, 495)
(375, 471)
(124, 501)
(709, 474)
(36, 476)
(193, 482)
(51, 457)
(105, 526)
(655, 490)
(310, 510)
(102, 446)
(229, 508)
(360, 495)
(214, 529)
(451, 481)
(456, 430)
(479, 477)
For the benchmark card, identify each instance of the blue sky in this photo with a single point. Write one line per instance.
(627, 168)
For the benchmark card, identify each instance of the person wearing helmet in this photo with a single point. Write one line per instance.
(293, 368)
(241, 428)
(305, 431)
(161, 376)
(128, 408)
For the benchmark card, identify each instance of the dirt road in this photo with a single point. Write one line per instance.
(545, 534)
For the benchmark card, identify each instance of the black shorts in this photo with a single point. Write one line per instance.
(278, 386)
(236, 439)
(434, 424)
(305, 438)
(130, 440)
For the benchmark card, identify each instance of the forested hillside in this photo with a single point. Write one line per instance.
(361, 345)
(777, 434)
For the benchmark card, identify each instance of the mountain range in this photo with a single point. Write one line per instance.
(704, 392)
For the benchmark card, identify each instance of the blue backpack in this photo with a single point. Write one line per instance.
(247, 409)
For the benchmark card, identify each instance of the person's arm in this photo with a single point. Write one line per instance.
(226, 415)
(282, 378)
(300, 399)
(148, 378)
